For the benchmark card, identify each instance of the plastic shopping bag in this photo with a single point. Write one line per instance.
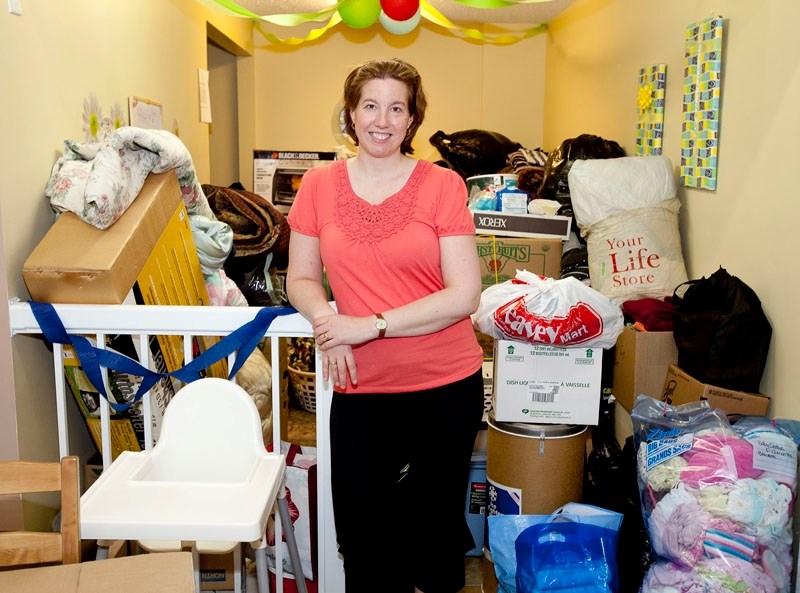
(541, 310)
(505, 532)
(570, 552)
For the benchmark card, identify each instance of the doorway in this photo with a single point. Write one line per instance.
(223, 131)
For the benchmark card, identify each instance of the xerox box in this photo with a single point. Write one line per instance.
(504, 224)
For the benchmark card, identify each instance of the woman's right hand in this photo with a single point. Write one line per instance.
(337, 363)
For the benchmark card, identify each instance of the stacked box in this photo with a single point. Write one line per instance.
(681, 388)
(641, 360)
(542, 384)
(501, 257)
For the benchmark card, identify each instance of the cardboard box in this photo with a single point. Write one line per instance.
(277, 173)
(78, 263)
(126, 428)
(143, 573)
(546, 384)
(148, 256)
(171, 275)
(216, 572)
(504, 224)
(501, 257)
(681, 388)
(641, 360)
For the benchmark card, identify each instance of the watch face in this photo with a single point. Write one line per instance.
(381, 324)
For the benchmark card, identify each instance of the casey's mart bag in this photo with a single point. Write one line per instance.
(540, 310)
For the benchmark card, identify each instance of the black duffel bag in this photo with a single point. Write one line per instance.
(721, 332)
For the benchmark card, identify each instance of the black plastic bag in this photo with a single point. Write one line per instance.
(474, 152)
(586, 146)
(610, 483)
(721, 332)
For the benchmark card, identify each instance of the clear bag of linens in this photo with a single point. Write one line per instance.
(717, 498)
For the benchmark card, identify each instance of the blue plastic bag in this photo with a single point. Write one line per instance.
(567, 556)
(505, 530)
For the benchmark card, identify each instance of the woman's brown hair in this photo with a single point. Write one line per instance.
(398, 70)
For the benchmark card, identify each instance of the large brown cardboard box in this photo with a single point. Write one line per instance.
(143, 573)
(681, 388)
(77, 263)
(501, 257)
(641, 360)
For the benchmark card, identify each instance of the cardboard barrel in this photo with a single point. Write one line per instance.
(532, 469)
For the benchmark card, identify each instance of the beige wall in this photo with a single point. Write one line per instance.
(594, 53)
(497, 88)
(54, 55)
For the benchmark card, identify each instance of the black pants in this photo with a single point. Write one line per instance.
(400, 468)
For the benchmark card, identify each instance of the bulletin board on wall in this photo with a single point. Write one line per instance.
(145, 113)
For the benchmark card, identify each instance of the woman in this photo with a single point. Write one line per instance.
(398, 245)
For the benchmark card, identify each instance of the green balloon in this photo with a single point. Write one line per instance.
(360, 14)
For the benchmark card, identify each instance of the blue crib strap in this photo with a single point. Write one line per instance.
(242, 340)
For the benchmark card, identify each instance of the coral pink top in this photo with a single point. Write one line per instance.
(379, 257)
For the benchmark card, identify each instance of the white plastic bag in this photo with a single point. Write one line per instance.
(541, 310)
(636, 254)
(600, 188)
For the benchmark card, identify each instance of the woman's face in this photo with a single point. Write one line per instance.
(381, 117)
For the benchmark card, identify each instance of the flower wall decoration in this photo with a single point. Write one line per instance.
(92, 116)
(95, 126)
(650, 102)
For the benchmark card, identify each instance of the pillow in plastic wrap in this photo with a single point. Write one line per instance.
(602, 187)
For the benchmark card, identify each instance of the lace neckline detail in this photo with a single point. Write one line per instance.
(370, 223)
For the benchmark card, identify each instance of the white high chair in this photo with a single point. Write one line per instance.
(209, 482)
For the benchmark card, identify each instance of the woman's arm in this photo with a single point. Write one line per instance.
(458, 299)
(304, 277)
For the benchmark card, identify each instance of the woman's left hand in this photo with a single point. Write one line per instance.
(331, 331)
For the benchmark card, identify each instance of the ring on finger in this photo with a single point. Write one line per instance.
(324, 337)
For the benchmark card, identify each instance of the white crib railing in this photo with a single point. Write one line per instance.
(141, 322)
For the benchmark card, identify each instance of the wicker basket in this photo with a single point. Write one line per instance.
(305, 388)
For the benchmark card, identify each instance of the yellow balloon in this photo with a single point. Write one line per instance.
(360, 14)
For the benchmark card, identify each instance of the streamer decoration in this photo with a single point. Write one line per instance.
(398, 17)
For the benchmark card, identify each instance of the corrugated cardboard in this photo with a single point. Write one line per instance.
(542, 384)
(78, 263)
(144, 573)
(681, 388)
(216, 572)
(501, 257)
(126, 427)
(641, 360)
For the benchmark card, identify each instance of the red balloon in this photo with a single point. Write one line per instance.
(400, 10)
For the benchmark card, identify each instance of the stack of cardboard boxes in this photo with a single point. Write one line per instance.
(646, 363)
(535, 383)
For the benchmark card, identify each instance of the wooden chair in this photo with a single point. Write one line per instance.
(20, 548)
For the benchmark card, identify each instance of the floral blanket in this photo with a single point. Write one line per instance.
(99, 181)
